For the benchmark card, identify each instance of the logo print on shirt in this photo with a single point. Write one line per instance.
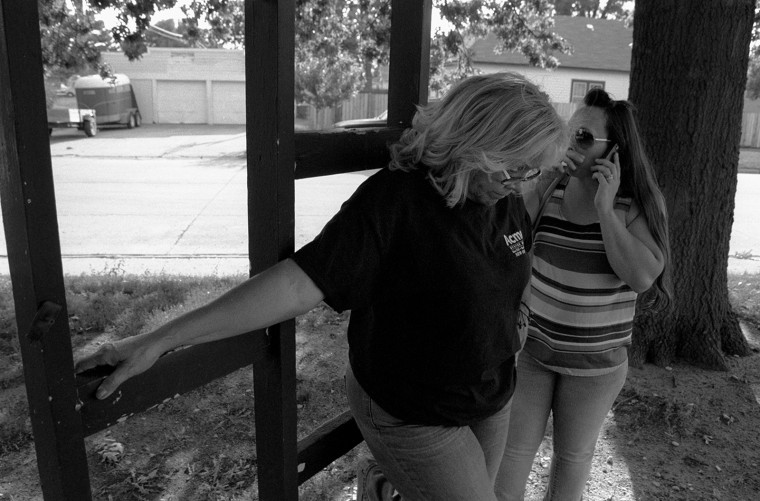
(515, 243)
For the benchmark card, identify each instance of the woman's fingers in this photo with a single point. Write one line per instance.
(609, 168)
(600, 178)
(615, 165)
(572, 160)
(107, 354)
(606, 172)
(109, 384)
(128, 362)
(136, 363)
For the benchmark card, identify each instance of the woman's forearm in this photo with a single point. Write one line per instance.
(631, 252)
(277, 294)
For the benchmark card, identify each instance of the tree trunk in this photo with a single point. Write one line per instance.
(688, 72)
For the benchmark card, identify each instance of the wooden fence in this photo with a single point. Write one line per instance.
(750, 130)
(365, 105)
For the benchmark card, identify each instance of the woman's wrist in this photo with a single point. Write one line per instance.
(162, 339)
(606, 213)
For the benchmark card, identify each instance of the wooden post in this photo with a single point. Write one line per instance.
(409, 69)
(34, 255)
(269, 60)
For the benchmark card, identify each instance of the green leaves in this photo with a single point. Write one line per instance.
(339, 44)
(523, 26)
(71, 43)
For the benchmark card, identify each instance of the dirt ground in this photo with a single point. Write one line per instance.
(674, 433)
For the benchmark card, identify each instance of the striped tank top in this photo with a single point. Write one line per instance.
(581, 313)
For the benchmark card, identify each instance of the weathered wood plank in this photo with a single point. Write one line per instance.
(269, 61)
(409, 69)
(325, 153)
(173, 374)
(326, 444)
(34, 256)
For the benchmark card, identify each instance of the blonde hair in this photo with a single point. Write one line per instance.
(485, 122)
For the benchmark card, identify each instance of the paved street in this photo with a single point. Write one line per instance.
(167, 199)
(173, 199)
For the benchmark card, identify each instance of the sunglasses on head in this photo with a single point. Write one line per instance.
(585, 139)
(512, 177)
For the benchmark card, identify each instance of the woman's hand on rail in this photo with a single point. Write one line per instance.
(276, 294)
(130, 356)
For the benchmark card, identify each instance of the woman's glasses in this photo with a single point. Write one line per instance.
(585, 139)
(519, 176)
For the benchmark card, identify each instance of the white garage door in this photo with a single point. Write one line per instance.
(181, 102)
(228, 99)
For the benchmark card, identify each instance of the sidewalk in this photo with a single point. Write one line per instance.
(153, 141)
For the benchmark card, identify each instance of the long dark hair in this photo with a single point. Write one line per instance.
(638, 181)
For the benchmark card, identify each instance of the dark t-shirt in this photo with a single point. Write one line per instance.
(433, 293)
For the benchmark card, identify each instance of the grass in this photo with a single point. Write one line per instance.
(98, 305)
(118, 306)
(212, 429)
(115, 306)
(744, 295)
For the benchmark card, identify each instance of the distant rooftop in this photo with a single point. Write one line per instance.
(598, 44)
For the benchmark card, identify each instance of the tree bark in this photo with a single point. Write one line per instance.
(688, 73)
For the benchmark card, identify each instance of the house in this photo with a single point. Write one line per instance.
(601, 57)
(207, 86)
(186, 86)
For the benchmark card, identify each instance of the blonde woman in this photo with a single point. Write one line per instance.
(431, 255)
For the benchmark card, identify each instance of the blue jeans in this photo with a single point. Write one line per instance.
(433, 463)
(578, 404)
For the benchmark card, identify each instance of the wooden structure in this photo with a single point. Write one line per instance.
(62, 407)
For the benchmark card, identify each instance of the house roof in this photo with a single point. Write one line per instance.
(598, 44)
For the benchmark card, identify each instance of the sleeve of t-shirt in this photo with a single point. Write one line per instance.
(344, 259)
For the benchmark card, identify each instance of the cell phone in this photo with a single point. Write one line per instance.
(612, 152)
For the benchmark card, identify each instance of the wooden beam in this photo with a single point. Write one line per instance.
(34, 256)
(409, 69)
(270, 75)
(325, 153)
(327, 443)
(172, 375)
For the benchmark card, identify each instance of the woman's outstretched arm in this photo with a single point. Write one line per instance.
(276, 294)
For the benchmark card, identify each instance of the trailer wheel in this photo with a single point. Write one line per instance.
(131, 123)
(90, 127)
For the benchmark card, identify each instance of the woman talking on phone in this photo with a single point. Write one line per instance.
(601, 238)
